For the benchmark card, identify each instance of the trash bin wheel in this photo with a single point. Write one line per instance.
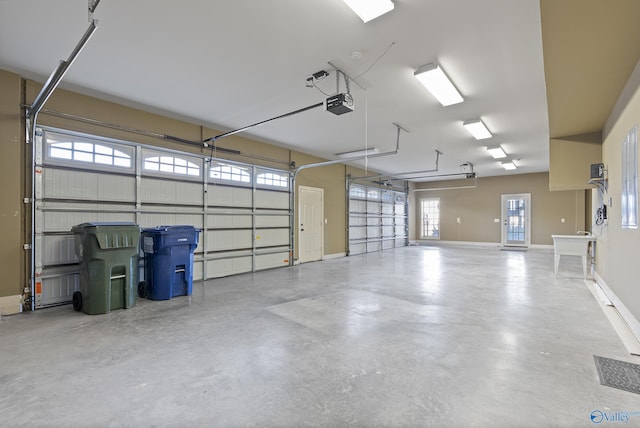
(77, 301)
(142, 289)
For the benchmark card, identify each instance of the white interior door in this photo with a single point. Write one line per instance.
(516, 226)
(310, 224)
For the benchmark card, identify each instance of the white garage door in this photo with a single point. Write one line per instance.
(243, 210)
(377, 219)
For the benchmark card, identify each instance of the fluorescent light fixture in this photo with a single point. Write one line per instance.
(436, 81)
(369, 9)
(357, 153)
(497, 152)
(508, 165)
(477, 128)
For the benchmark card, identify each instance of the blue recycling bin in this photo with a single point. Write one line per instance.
(168, 261)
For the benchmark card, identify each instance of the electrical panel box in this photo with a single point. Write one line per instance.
(597, 170)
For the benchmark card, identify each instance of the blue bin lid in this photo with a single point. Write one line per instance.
(180, 228)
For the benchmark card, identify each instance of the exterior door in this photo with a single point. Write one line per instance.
(310, 224)
(516, 226)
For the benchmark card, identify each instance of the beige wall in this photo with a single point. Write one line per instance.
(332, 179)
(618, 250)
(12, 256)
(570, 159)
(478, 207)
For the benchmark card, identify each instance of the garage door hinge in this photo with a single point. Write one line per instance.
(27, 200)
(26, 246)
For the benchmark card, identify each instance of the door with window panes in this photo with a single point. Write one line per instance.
(516, 227)
(430, 228)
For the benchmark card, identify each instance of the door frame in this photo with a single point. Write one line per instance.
(503, 218)
(313, 189)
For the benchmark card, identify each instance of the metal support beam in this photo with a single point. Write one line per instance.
(57, 75)
(244, 128)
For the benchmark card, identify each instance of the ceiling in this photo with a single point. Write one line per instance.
(229, 64)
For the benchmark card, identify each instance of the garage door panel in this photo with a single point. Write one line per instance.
(373, 207)
(272, 237)
(281, 220)
(355, 220)
(373, 246)
(63, 221)
(229, 266)
(270, 261)
(170, 192)
(272, 199)
(58, 287)
(161, 219)
(225, 196)
(58, 249)
(71, 184)
(229, 220)
(373, 221)
(198, 270)
(387, 209)
(357, 248)
(357, 206)
(218, 240)
(357, 233)
(66, 184)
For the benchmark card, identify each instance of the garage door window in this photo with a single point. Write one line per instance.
(88, 152)
(272, 179)
(357, 192)
(226, 172)
(171, 165)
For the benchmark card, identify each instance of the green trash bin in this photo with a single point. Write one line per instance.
(108, 254)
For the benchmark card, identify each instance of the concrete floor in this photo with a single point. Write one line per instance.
(419, 336)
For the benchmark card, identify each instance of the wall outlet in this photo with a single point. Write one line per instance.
(496, 220)
(458, 220)
(562, 220)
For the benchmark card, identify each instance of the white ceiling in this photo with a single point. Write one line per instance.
(228, 64)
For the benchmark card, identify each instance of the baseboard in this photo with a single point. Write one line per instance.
(437, 243)
(623, 321)
(334, 256)
(10, 305)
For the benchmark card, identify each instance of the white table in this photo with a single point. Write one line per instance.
(572, 245)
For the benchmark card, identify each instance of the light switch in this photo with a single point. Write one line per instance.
(562, 220)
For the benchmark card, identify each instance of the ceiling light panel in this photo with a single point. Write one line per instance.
(478, 129)
(508, 165)
(436, 81)
(497, 152)
(369, 9)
